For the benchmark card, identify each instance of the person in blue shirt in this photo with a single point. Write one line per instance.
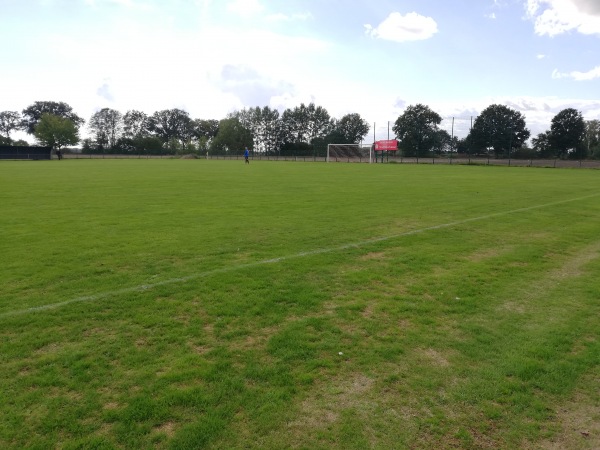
(246, 154)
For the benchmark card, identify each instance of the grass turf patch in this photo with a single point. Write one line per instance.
(209, 304)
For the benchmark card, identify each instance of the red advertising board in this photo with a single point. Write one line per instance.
(386, 146)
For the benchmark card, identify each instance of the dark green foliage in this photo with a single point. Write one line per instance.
(350, 129)
(567, 134)
(543, 146)
(232, 138)
(500, 129)
(56, 132)
(417, 130)
(9, 122)
(32, 115)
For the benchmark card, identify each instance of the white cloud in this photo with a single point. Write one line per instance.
(578, 76)
(591, 7)
(399, 28)
(280, 17)
(554, 17)
(245, 7)
(129, 4)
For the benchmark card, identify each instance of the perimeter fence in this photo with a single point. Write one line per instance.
(444, 160)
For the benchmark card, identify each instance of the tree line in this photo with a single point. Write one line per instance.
(306, 129)
(302, 131)
(501, 132)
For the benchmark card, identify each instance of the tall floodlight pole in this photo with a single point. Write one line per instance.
(510, 142)
(372, 146)
(452, 138)
(470, 138)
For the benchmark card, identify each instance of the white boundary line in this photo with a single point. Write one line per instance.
(144, 287)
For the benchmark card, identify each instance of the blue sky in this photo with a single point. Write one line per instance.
(373, 57)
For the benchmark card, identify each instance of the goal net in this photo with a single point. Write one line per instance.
(346, 152)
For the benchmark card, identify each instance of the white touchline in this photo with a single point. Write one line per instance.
(143, 287)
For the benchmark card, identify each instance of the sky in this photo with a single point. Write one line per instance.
(371, 57)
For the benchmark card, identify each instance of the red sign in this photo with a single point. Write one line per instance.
(386, 146)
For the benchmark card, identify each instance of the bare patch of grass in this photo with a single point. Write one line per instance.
(578, 421)
(167, 428)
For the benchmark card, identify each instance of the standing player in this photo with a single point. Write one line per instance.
(246, 154)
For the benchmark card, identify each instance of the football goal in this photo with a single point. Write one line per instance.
(347, 153)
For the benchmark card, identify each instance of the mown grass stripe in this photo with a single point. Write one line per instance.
(144, 287)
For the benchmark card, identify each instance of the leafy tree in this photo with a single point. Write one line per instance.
(141, 145)
(319, 145)
(300, 148)
(56, 132)
(463, 145)
(9, 121)
(351, 128)
(107, 126)
(417, 130)
(592, 137)
(567, 133)
(135, 124)
(203, 132)
(500, 128)
(33, 114)
(443, 142)
(265, 125)
(541, 145)
(305, 123)
(205, 128)
(271, 130)
(171, 124)
(232, 138)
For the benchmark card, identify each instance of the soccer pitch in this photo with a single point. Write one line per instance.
(211, 304)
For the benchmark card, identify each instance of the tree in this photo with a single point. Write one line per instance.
(170, 124)
(417, 130)
(135, 124)
(351, 128)
(500, 128)
(541, 145)
(592, 137)
(205, 128)
(203, 132)
(232, 138)
(265, 126)
(9, 121)
(143, 145)
(443, 142)
(107, 126)
(33, 114)
(305, 123)
(56, 132)
(567, 133)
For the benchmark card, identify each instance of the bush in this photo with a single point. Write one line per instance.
(523, 153)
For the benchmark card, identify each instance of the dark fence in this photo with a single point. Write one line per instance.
(10, 152)
(464, 160)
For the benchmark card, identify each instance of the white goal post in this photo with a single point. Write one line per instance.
(347, 152)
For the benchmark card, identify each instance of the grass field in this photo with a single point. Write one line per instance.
(193, 304)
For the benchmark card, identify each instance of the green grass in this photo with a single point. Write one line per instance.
(209, 304)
